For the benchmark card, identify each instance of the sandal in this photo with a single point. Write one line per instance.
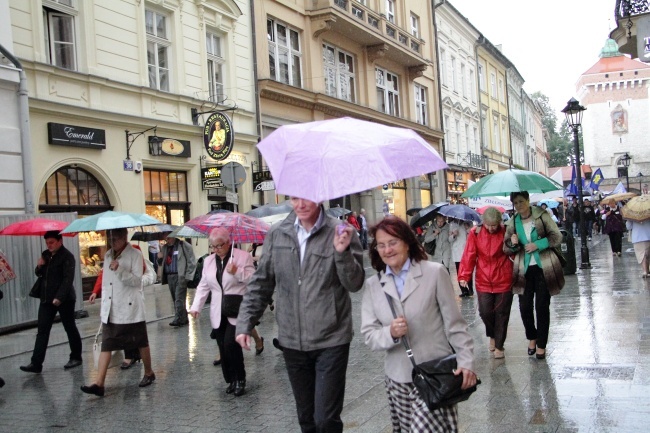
(128, 364)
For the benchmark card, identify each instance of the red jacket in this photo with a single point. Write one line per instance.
(353, 220)
(484, 251)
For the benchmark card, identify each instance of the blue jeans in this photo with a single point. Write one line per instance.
(318, 382)
(589, 227)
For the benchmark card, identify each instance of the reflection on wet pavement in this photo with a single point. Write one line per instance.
(595, 379)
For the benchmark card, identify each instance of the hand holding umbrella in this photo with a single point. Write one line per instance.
(343, 236)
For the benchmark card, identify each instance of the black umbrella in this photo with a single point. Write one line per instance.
(156, 232)
(337, 212)
(413, 211)
(270, 209)
(427, 214)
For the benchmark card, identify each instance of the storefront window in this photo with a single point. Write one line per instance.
(425, 190)
(395, 200)
(166, 196)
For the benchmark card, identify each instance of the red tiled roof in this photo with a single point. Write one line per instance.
(566, 171)
(615, 64)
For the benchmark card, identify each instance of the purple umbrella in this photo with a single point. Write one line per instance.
(328, 159)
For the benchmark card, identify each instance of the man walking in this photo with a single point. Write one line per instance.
(179, 265)
(313, 263)
(55, 271)
(589, 216)
(363, 233)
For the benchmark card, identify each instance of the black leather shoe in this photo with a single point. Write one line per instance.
(531, 352)
(541, 355)
(185, 323)
(2, 382)
(32, 368)
(174, 323)
(147, 380)
(216, 362)
(463, 295)
(240, 388)
(72, 364)
(131, 362)
(231, 387)
(276, 344)
(93, 389)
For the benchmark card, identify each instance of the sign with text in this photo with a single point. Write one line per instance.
(232, 197)
(77, 136)
(211, 178)
(262, 181)
(643, 38)
(218, 136)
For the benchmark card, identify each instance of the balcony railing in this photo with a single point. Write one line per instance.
(472, 160)
(627, 8)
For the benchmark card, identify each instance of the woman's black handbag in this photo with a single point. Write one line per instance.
(36, 289)
(230, 305)
(435, 380)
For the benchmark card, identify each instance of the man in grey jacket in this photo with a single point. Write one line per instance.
(313, 263)
(178, 265)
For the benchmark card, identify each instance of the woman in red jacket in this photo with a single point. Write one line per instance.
(493, 279)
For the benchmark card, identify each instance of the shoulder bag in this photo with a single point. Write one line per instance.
(35, 292)
(556, 250)
(116, 355)
(435, 380)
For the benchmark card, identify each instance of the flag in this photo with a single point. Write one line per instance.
(586, 187)
(596, 179)
(619, 188)
(573, 188)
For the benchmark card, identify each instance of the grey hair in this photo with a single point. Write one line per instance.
(492, 215)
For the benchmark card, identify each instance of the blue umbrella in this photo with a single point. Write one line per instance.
(110, 220)
(460, 212)
(551, 204)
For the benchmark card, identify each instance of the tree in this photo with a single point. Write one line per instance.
(560, 143)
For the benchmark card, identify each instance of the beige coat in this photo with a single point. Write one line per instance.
(434, 320)
(548, 235)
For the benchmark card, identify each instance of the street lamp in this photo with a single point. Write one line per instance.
(573, 112)
(625, 159)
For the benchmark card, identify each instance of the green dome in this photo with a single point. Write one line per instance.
(610, 49)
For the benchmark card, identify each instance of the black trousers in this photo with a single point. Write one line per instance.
(46, 314)
(494, 309)
(537, 297)
(616, 241)
(232, 357)
(318, 382)
(470, 283)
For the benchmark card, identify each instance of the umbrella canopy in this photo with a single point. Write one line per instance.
(156, 232)
(110, 220)
(637, 209)
(505, 182)
(427, 214)
(270, 209)
(460, 212)
(337, 212)
(611, 200)
(413, 211)
(482, 209)
(328, 159)
(186, 232)
(272, 219)
(219, 211)
(551, 204)
(242, 228)
(35, 227)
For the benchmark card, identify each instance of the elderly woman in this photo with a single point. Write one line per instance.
(122, 309)
(225, 274)
(438, 231)
(537, 272)
(457, 241)
(484, 252)
(640, 238)
(428, 315)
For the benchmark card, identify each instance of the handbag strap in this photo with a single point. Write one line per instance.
(99, 331)
(404, 339)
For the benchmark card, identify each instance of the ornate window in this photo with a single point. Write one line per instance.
(420, 104)
(158, 50)
(285, 55)
(339, 73)
(215, 66)
(387, 92)
(73, 189)
(59, 30)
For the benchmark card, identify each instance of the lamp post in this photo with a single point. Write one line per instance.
(625, 159)
(573, 112)
(640, 176)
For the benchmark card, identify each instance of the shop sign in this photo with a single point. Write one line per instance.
(218, 136)
(643, 38)
(232, 197)
(262, 181)
(170, 147)
(77, 136)
(211, 178)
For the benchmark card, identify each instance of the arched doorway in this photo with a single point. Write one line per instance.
(73, 189)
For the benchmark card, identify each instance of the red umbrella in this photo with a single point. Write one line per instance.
(242, 228)
(35, 227)
(484, 208)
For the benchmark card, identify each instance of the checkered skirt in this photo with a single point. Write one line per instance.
(410, 414)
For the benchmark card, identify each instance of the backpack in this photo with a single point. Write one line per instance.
(194, 282)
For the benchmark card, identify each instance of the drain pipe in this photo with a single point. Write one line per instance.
(435, 6)
(258, 114)
(25, 136)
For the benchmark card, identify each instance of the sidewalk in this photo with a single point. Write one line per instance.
(595, 378)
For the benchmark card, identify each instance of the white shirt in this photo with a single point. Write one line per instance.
(400, 279)
(303, 234)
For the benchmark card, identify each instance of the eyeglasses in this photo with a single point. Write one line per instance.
(218, 246)
(391, 244)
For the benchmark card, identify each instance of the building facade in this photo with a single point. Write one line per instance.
(615, 93)
(536, 155)
(114, 92)
(516, 116)
(495, 130)
(459, 95)
(371, 59)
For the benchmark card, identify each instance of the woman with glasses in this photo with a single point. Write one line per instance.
(427, 313)
(225, 275)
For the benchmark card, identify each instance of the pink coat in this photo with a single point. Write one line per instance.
(232, 284)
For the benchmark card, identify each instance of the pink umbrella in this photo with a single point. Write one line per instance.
(482, 209)
(332, 158)
(242, 228)
(35, 227)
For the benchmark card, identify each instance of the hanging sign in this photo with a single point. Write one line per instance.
(218, 136)
(211, 178)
